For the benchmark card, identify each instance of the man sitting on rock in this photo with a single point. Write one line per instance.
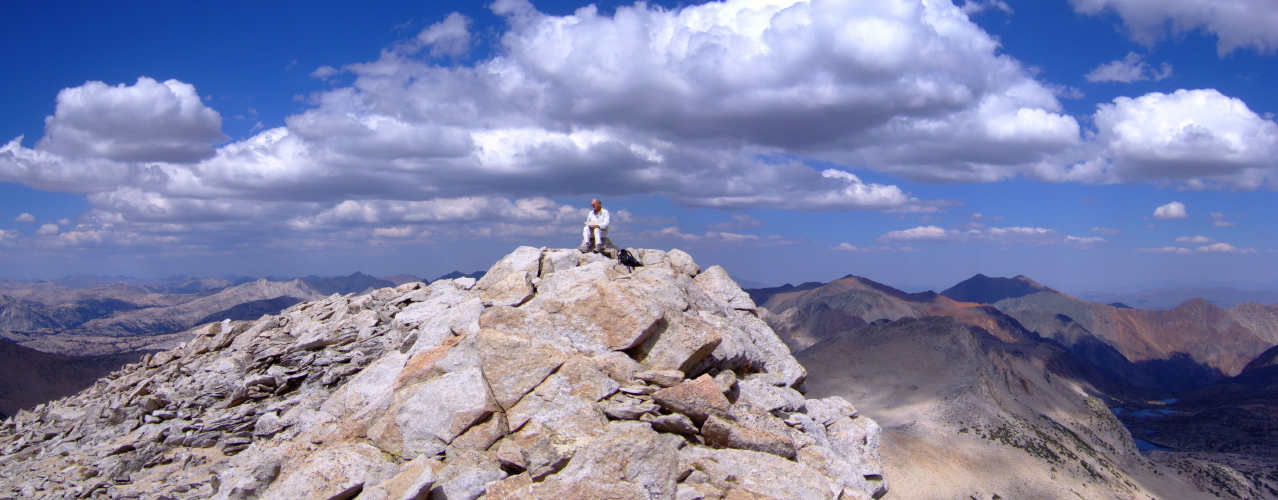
(596, 226)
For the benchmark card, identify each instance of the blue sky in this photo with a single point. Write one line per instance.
(1093, 145)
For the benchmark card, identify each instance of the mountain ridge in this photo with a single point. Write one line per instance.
(853, 336)
(983, 289)
(29, 377)
(557, 375)
(1223, 297)
(972, 404)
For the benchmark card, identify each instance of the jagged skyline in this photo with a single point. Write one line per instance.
(1091, 145)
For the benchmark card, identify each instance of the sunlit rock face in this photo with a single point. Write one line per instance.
(557, 375)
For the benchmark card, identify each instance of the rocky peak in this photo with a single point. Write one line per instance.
(557, 375)
(983, 289)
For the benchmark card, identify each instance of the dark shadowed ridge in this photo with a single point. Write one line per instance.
(917, 297)
(29, 377)
(761, 295)
(983, 289)
(342, 285)
(400, 279)
(251, 310)
(1266, 359)
(458, 274)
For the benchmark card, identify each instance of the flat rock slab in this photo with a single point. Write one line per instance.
(630, 452)
(698, 399)
(762, 475)
(513, 365)
(727, 434)
(331, 472)
(678, 344)
(441, 409)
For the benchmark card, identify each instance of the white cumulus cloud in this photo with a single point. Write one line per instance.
(975, 7)
(1193, 239)
(922, 234)
(450, 37)
(1129, 69)
(1221, 220)
(1171, 250)
(709, 105)
(395, 232)
(1001, 235)
(739, 222)
(146, 121)
(848, 247)
(1084, 241)
(1236, 23)
(325, 72)
(1224, 248)
(713, 105)
(674, 234)
(1171, 211)
(47, 229)
(1189, 135)
(25, 217)
(469, 209)
(733, 105)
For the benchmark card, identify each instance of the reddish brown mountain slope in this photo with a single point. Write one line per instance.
(1199, 339)
(1187, 346)
(804, 317)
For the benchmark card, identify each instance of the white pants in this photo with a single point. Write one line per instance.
(600, 234)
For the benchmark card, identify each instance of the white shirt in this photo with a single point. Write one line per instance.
(601, 217)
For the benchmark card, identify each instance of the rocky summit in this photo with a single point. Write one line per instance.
(557, 375)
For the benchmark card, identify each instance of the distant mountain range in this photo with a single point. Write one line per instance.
(98, 315)
(1166, 298)
(1000, 368)
(1190, 345)
(995, 387)
(87, 315)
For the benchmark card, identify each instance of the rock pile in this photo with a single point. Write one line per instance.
(557, 375)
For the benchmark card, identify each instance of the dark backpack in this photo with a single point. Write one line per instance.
(628, 259)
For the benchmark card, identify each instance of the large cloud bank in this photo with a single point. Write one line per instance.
(1237, 24)
(726, 104)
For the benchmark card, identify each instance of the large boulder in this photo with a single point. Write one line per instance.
(336, 472)
(753, 474)
(698, 399)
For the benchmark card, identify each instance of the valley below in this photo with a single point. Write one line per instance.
(1004, 388)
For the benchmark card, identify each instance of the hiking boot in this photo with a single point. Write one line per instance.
(586, 248)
